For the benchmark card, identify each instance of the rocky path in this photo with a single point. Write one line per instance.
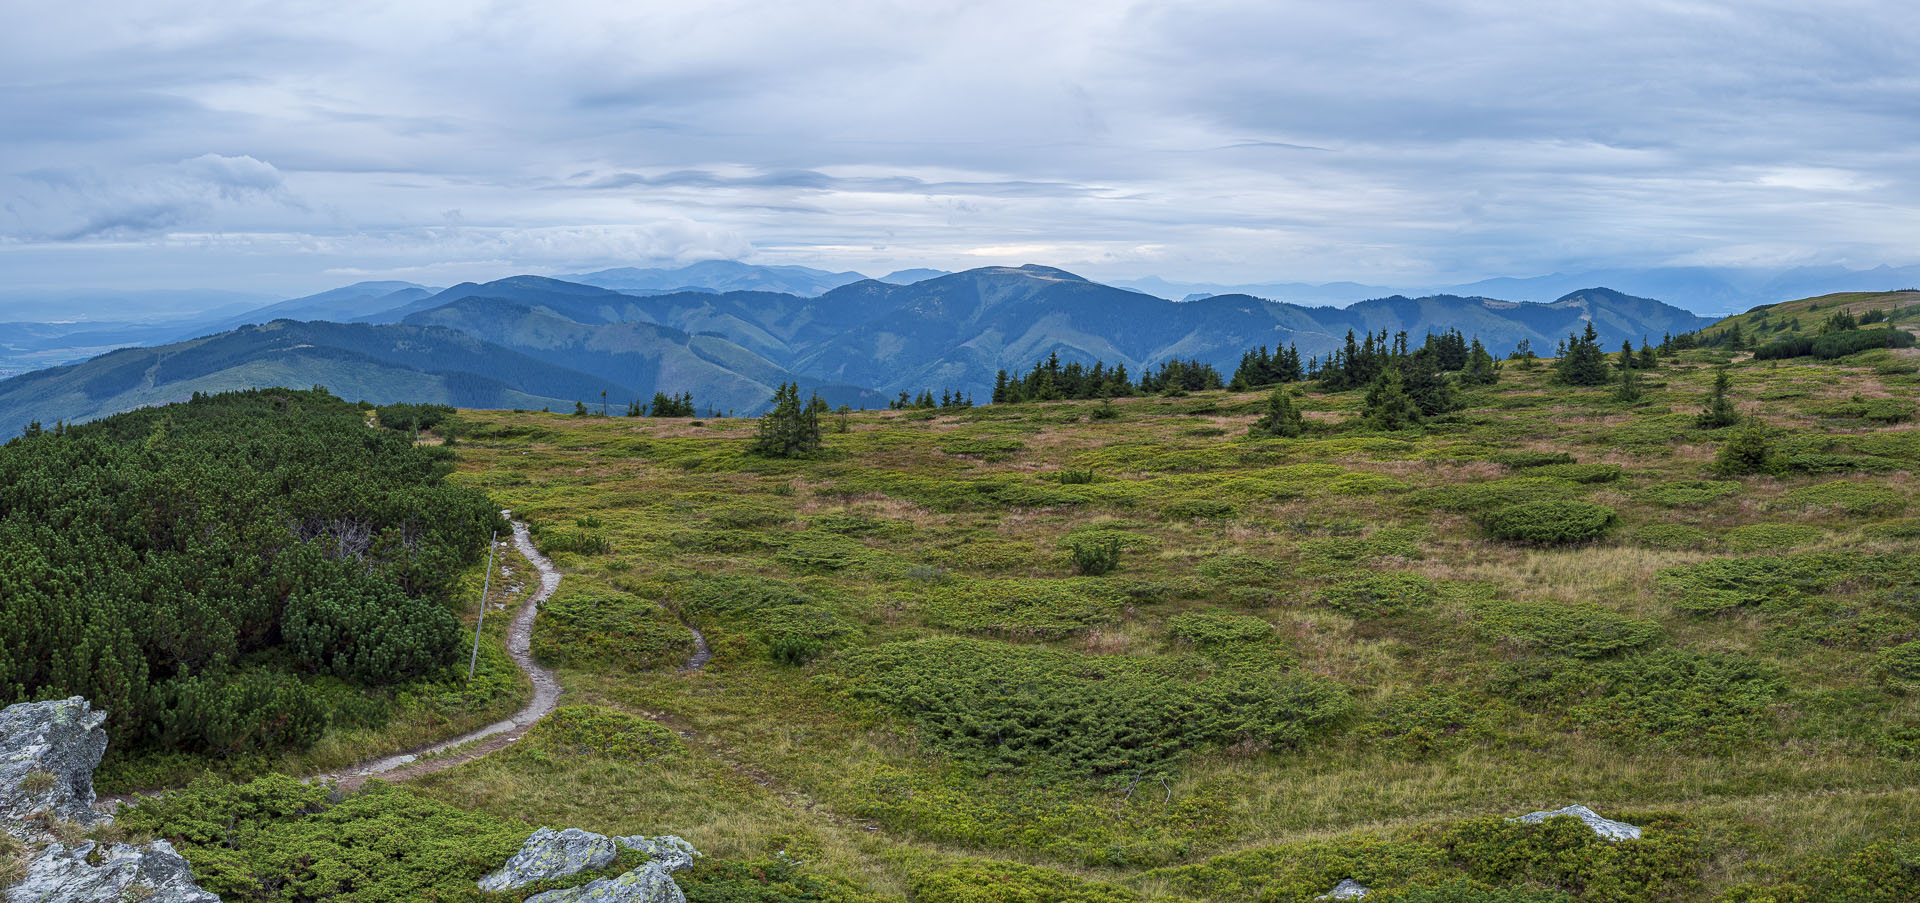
(498, 735)
(702, 653)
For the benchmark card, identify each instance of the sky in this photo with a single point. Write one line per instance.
(288, 147)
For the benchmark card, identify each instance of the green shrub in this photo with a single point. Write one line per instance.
(1578, 473)
(781, 879)
(1199, 509)
(1757, 537)
(986, 881)
(747, 517)
(1519, 460)
(1684, 699)
(578, 542)
(251, 711)
(1580, 631)
(1564, 854)
(1549, 523)
(1902, 661)
(1377, 595)
(1750, 451)
(583, 731)
(276, 839)
(1209, 630)
(738, 593)
(1093, 553)
(992, 706)
(1846, 497)
(1689, 493)
(593, 625)
(1883, 872)
(1724, 584)
(1423, 722)
(1045, 609)
(797, 634)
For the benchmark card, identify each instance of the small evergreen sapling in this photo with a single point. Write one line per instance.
(1719, 411)
(1282, 419)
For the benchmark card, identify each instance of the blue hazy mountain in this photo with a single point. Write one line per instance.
(534, 340)
(909, 277)
(719, 276)
(346, 304)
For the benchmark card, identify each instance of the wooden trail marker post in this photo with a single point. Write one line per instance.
(486, 585)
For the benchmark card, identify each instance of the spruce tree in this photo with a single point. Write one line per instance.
(1481, 369)
(1628, 388)
(790, 429)
(1428, 388)
(1281, 420)
(1719, 411)
(1583, 363)
(1750, 451)
(1387, 405)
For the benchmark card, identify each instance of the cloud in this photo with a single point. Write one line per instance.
(65, 205)
(1241, 140)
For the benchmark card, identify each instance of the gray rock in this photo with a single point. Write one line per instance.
(1607, 828)
(649, 883)
(48, 751)
(153, 873)
(1347, 889)
(669, 851)
(552, 854)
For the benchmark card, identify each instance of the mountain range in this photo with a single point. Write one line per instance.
(529, 341)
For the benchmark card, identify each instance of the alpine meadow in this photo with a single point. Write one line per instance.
(1096, 451)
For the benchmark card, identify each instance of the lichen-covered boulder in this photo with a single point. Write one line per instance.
(48, 751)
(1347, 889)
(672, 853)
(550, 854)
(1607, 829)
(650, 883)
(153, 873)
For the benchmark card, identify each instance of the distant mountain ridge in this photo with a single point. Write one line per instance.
(538, 341)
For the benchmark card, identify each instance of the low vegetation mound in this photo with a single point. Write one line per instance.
(998, 707)
(193, 569)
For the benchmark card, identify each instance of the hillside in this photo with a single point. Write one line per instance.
(380, 364)
(1805, 316)
(1131, 653)
(858, 344)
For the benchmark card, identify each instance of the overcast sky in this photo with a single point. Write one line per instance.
(287, 147)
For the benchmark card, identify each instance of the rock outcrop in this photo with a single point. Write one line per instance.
(153, 874)
(551, 854)
(1607, 829)
(48, 751)
(649, 883)
(1347, 889)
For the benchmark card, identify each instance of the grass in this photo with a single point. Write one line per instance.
(1763, 739)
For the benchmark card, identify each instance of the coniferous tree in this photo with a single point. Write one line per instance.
(1719, 411)
(1750, 451)
(1628, 386)
(1648, 359)
(1387, 406)
(1429, 389)
(790, 428)
(1481, 369)
(1281, 420)
(1583, 363)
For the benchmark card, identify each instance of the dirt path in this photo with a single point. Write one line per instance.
(496, 736)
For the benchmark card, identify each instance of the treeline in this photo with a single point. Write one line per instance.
(1050, 380)
(190, 568)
